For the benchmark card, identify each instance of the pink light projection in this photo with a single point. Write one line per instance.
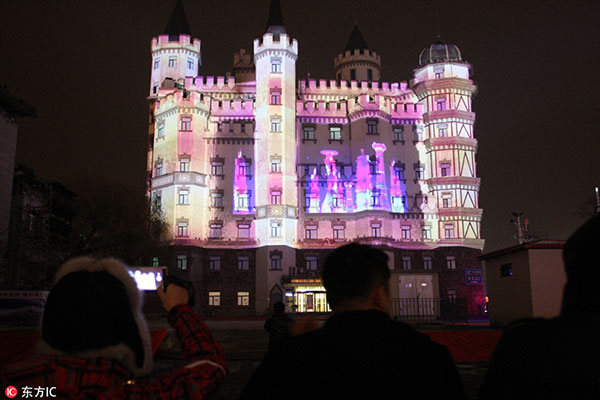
(396, 190)
(241, 199)
(364, 185)
(314, 193)
(333, 191)
(380, 182)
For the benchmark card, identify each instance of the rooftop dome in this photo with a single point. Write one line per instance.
(439, 52)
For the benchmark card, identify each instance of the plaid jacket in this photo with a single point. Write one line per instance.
(101, 378)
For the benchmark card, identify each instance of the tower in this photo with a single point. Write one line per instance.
(357, 62)
(442, 83)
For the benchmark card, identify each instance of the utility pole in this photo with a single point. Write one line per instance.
(517, 221)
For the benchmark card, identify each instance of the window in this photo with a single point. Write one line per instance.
(216, 230)
(243, 231)
(311, 263)
(445, 169)
(446, 200)
(184, 164)
(443, 132)
(337, 200)
(439, 75)
(419, 172)
(440, 104)
(160, 132)
(214, 263)
(427, 262)
(190, 63)
(275, 228)
(275, 196)
(219, 126)
(372, 165)
(186, 124)
(243, 263)
(216, 199)
(275, 124)
(275, 65)
(369, 74)
(406, 262)
(156, 199)
(182, 261)
(230, 127)
(372, 127)
(399, 171)
(243, 200)
(243, 299)
(243, 168)
(217, 168)
(375, 198)
(417, 135)
(405, 231)
(335, 133)
(452, 296)
(156, 63)
(159, 169)
(451, 262)
(182, 229)
(275, 164)
(309, 133)
(376, 229)
(275, 98)
(172, 62)
(184, 196)
(339, 232)
(426, 232)
(310, 232)
(243, 127)
(214, 299)
(155, 262)
(506, 270)
(276, 261)
(398, 133)
(352, 74)
(449, 231)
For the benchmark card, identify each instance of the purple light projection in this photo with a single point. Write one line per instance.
(241, 195)
(364, 185)
(396, 189)
(380, 182)
(331, 203)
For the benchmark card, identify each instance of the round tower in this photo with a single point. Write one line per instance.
(357, 62)
(442, 83)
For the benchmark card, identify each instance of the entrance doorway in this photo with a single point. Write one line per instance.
(416, 296)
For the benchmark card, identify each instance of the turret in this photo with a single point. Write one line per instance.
(357, 62)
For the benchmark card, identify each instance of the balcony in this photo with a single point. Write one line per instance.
(236, 243)
(321, 243)
(178, 178)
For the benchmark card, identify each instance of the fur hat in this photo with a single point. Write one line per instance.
(94, 310)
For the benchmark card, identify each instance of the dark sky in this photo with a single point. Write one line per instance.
(85, 66)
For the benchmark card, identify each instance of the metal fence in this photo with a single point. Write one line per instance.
(432, 310)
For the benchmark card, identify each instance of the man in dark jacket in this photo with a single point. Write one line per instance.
(360, 353)
(556, 358)
(95, 343)
(278, 326)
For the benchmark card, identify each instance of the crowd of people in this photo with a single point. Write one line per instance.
(95, 342)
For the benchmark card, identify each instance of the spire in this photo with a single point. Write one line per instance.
(356, 41)
(178, 23)
(275, 22)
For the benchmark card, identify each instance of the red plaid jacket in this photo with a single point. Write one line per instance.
(101, 378)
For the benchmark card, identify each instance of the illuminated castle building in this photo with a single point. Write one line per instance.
(260, 174)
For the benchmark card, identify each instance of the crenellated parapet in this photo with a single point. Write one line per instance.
(169, 43)
(177, 99)
(350, 88)
(209, 83)
(275, 44)
(356, 56)
(232, 109)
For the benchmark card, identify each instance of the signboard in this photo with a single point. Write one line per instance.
(473, 276)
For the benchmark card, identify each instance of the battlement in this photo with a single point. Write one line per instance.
(164, 42)
(285, 43)
(210, 83)
(232, 108)
(323, 86)
(337, 109)
(321, 108)
(175, 97)
(357, 55)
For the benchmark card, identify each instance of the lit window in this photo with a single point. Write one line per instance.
(275, 65)
(311, 263)
(275, 98)
(375, 198)
(427, 262)
(214, 299)
(451, 262)
(372, 127)
(506, 270)
(419, 172)
(399, 171)
(452, 296)
(276, 261)
(182, 229)
(449, 231)
(243, 299)
(160, 132)
(182, 261)
(398, 133)
(243, 168)
(426, 232)
(243, 231)
(216, 230)
(275, 124)
(172, 62)
(243, 263)
(217, 168)
(311, 232)
(159, 169)
(309, 133)
(335, 133)
(441, 104)
(216, 199)
(405, 231)
(184, 196)
(406, 262)
(186, 124)
(184, 164)
(275, 196)
(339, 232)
(243, 200)
(156, 63)
(376, 229)
(275, 228)
(155, 262)
(275, 164)
(445, 169)
(190, 63)
(214, 263)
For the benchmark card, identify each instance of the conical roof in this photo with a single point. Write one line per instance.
(356, 40)
(178, 23)
(275, 21)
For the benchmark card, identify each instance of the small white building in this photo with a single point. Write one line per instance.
(525, 281)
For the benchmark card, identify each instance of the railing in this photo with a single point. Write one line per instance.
(429, 310)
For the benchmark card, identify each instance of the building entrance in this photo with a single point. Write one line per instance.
(306, 295)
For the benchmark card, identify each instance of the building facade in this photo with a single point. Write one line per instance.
(261, 174)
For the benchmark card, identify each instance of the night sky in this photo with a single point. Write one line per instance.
(85, 66)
